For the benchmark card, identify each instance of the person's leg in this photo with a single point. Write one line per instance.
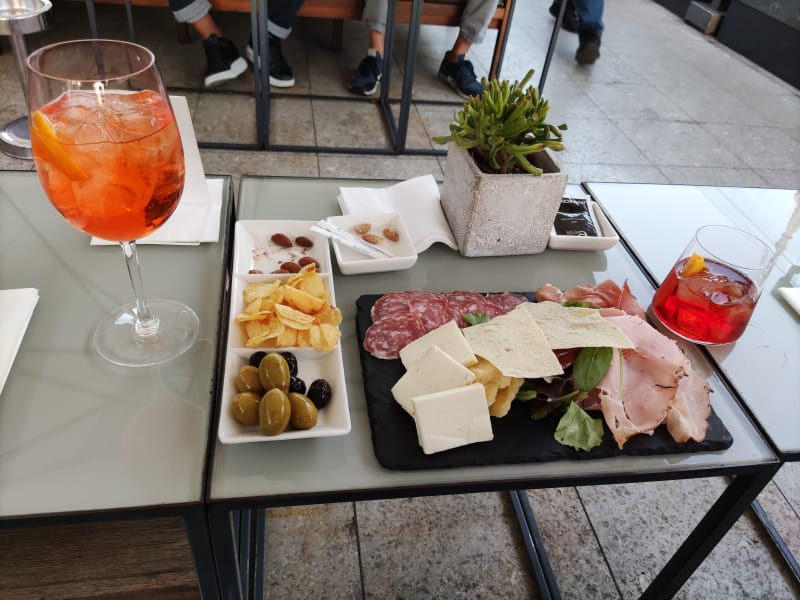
(570, 20)
(455, 70)
(370, 69)
(590, 30)
(280, 19)
(223, 59)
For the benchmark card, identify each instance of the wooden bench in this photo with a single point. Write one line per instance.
(434, 12)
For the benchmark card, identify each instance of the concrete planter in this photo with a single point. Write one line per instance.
(500, 215)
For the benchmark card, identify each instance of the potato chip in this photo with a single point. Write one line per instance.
(259, 290)
(330, 315)
(330, 337)
(288, 337)
(302, 301)
(293, 318)
(303, 339)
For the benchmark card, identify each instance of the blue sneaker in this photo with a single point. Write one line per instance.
(460, 76)
(366, 79)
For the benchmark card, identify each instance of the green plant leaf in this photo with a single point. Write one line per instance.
(578, 430)
(476, 318)
(590, 366)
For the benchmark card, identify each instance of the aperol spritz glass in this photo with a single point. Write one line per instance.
(109, 157)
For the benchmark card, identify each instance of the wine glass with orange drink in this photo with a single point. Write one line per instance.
(109, 157)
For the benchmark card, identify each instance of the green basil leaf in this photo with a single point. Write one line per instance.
(476, 318)
(578, 430)
(589, 367)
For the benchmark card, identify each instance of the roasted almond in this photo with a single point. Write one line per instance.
(303, 241)
(292, 267)
(372, 238)
(307, 260)
(255, 272)
(391, 234)
(362, 228)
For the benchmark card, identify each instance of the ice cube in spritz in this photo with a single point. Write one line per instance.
(111, 163)
(710, 306)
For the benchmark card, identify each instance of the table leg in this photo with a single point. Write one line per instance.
(223, 541)
(537, 554)
(202, 552)
(709, 531)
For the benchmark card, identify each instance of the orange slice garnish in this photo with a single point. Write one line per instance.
(693, 266)
(52, 151)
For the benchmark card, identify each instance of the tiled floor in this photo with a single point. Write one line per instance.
(664, 103)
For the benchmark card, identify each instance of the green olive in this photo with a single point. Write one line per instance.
(304, 413)
(247, 380)
(274, 412)
(273, 371)
(244, 408)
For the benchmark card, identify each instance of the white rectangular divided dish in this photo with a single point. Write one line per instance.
(254, 250)
(351, 262)
(606, 239)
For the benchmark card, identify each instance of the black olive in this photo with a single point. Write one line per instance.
(319, 392)
(255, 358)
(292, 360)
(297, 385)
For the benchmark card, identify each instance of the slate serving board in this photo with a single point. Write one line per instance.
(517, 437)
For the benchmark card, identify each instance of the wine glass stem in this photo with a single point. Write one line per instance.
(146, 324)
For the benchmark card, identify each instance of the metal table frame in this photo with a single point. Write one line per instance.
(238, 525)
(397, 129)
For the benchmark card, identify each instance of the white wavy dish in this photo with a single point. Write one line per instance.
(254, 250)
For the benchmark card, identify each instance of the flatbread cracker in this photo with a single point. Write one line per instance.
(575, 327)
(515, 344)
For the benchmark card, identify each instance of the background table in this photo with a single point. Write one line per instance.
(762, 366)
(319, 470)
(82, 439)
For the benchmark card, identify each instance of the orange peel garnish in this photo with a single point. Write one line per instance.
(693, 266)
(51, 149)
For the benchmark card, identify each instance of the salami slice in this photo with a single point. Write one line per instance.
(434, 312)
(428, 295)
(388, 335)
(456, 298)
(476, 306)
(390, 303)
(506, 300)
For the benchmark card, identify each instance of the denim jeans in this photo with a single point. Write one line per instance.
(590, 14)
(280, 13)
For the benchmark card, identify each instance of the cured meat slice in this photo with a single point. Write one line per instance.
(549, 293)
(390, 303)
(506, 300)
(434, 312)
(636, 395)
(388, 335)
(468, 307)
(457, 297)
(687, 419)
(428, 295)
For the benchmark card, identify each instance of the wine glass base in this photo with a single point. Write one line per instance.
(115, 340)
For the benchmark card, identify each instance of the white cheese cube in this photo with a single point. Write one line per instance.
(448, 337)
(452, 418)
(433, 372)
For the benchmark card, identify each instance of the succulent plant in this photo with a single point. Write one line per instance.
(503, 126)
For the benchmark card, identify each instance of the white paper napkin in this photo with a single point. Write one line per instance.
(199, 207)
(415, 200)
(16, 309)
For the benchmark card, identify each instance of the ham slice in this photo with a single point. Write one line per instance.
(639, 389)
(606, 294)
(687, 419)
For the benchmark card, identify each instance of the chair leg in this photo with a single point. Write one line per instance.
(182, 30)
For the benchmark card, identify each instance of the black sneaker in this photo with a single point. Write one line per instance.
(280, 71)
(368, 75)
(460, 76)
(570, 20)
(224, 61)
(588, 48)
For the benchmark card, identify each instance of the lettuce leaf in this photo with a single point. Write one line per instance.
(577, 429)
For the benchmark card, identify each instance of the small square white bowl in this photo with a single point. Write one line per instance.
(606, 239)
(404, 256)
